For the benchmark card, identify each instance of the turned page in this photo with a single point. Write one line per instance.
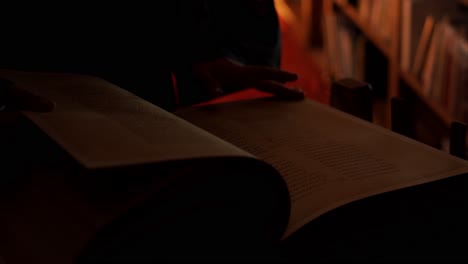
(101, 125)
(326, 157)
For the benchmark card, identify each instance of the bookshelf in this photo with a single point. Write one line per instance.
(351, 13)
(388, 61)
(416, 88)
(436, 119)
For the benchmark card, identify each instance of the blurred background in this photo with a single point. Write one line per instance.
(411, 49)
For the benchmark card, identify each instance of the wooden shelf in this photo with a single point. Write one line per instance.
(416, 87)
(351, 13)
(395, 75)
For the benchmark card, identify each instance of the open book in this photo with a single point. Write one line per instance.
(290, 162)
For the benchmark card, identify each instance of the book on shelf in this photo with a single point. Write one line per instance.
(254, 171)
(413, 19)
(345, 47)
(445, 67)
(377, 14)
(458, 94)
(443, 64)
(423, 46)
(430, 61)
(364, 9)
(329, 25)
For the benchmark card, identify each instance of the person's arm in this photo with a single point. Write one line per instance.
(248, 30)
(228, 46)
(244, 30)
(195, 34)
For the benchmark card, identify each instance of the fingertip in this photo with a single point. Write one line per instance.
(296, 94)
(292, 74)
(292, 93)
(290, 77)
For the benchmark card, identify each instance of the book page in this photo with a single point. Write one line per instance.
(102, 125)
(58, 208)
(327, 158)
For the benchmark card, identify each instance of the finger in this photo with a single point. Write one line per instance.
(256, 73)
(280, 90)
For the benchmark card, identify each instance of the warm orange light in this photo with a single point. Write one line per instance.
(285, 12)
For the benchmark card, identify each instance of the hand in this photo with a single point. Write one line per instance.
(225, 72)
(15, 98)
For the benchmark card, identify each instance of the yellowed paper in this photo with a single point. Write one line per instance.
(102, 125)
(327, 158)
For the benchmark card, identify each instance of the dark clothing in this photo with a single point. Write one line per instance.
(138, 46)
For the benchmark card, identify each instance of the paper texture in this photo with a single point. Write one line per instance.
(102, 125)
(327, 158)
